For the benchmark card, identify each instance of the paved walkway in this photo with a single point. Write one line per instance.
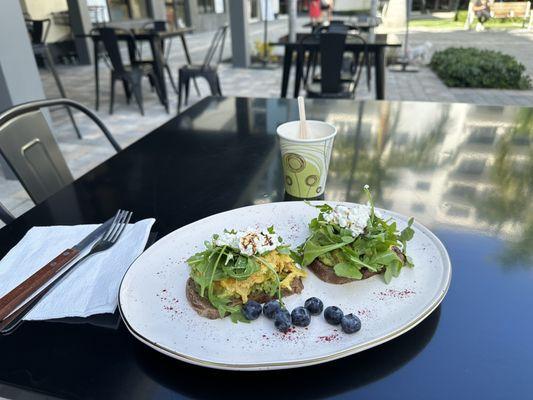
(128, 125)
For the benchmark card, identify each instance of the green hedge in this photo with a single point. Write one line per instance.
(470, 67)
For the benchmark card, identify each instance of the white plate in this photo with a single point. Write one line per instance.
(154, 307)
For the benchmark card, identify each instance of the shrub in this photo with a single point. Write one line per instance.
(470, 67)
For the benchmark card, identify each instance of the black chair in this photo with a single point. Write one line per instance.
(5, 216)
(130, 75)
(338, 26)
(334, 26)
(207, 70)
(332, 83)
(38, 30)
(161, 26)
(30, 150)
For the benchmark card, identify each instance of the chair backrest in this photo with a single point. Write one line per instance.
(38, 29)
(217, 46)
(110, 41)
(331, 54)
(159, 25)
(29, 147)
(5, 216)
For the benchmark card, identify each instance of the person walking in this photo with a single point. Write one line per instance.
(327, 6)
(315, 11)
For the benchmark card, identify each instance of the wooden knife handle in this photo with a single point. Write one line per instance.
(22, 292)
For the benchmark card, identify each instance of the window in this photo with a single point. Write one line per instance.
(472, 166)
(482, 135)
(462, 191)
(418, 207)
(424, 186)
(121, 10)
(458, 211)
(210, 6)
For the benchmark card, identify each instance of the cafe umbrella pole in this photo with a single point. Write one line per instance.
(403, 63)
(262, 61)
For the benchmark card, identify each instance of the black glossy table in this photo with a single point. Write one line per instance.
(375, 45)
(464, 171)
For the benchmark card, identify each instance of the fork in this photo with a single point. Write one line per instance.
(109, 238)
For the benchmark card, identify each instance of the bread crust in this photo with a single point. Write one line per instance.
(205, 309)
(327, 274)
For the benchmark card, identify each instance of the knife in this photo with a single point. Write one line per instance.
(17, 296)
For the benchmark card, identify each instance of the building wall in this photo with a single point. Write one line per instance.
(205, 22)
(352, 5)
(41, 9)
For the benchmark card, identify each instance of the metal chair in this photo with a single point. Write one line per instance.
(207, 70)
(29, 147)
(332, 83)
(130, 75)
(161, 26)
(5, 216)
(38, 30)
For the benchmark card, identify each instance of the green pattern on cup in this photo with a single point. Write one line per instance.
(305, 167)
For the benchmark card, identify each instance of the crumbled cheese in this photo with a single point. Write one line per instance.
(354, 219)
(249, 242)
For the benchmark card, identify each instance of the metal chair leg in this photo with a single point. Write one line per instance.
(112, 97)
(137, 93)
(187, 85)
(196, 87)
(180, 89)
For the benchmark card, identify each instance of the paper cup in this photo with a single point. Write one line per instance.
(306, 161)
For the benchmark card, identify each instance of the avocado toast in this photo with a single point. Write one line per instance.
(238, 266)
(350, 243)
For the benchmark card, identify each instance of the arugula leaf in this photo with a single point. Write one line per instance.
(296, 257)
(384, 258)
(387, 276)
(347, 271)
(312, 250)
(407, 234)
(238, 316)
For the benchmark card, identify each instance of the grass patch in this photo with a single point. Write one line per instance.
(451, 23)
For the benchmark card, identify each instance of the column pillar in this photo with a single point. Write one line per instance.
(158, 9)
(80, 22)
(240, 46)
(191, 13)
(292, 11)
(19, 77)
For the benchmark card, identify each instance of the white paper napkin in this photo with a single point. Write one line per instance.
(92, 287)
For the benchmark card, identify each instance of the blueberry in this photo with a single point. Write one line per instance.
(314, 305)
(333, 315)
(271, 308)
(282, 320)
(350, 323)
(251, 310)
(300, 316)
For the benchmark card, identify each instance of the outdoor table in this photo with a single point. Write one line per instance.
(375, 44)
(363, 23)
(462, 170)
(155, 39)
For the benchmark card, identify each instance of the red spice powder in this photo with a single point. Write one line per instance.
(329, 338)
(397, 294)
(365, 312)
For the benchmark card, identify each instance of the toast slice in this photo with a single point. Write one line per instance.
(327, 274)
(205, 309)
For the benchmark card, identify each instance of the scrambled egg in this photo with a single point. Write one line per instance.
(284, 265)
